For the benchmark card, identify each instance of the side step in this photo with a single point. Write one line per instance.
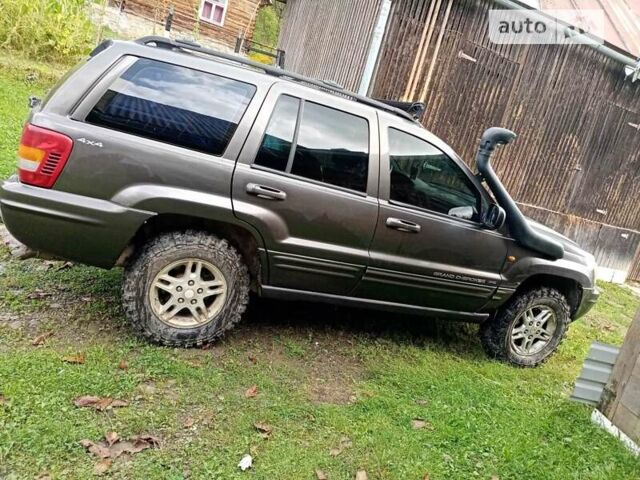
(280, 293)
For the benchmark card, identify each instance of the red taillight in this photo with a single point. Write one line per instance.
(42, 155)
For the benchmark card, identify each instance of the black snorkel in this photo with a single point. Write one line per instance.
(519, 228)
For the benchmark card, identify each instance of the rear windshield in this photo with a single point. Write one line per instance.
(175, 105)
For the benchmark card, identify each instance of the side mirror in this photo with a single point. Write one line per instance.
(462, 212)
(494, 217)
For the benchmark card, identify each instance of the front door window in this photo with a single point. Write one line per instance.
(423, 176)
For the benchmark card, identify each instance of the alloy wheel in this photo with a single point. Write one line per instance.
(188, 293)
(533, 330)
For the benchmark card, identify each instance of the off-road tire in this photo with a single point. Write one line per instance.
(495, 332)
(160, 252)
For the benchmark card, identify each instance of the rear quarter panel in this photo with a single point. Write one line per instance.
(138, 173)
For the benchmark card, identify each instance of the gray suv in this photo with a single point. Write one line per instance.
(207, 176)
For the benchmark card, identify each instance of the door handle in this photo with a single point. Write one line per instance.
(268, 193)
(403, 225)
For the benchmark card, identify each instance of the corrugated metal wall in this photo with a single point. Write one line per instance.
(329, 39)
(576, 163)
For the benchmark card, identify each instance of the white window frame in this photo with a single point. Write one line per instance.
(214, 3)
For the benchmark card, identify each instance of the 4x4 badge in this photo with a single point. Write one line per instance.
(90, 142)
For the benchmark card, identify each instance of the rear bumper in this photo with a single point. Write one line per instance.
(69, 226)
(589, 298)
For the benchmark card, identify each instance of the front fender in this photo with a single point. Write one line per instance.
(526, 268)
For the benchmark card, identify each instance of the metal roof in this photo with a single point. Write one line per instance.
(622, 19)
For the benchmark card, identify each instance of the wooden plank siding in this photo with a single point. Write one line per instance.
(239, 19)
(576, 162)
(621, 399)
(634, 274)
(329, 39)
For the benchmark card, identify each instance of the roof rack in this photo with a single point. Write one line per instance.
(162, 42)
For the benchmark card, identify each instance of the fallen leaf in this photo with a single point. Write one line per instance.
(123, 365)
(426, 476)
(40, 339)
(104, 450)
(189, 422)
(361, 475)
(251, 392)
(96, 449)
(334, 452)
(76, 359)
(128, 446)
(38, 294)
(111, 438)
(495, 477)
(103, 403)
(153, 440)
(98, 403)
(252, 359)
(102, 466)
(264, 428)
(320, 475)
(3, 399)
(245, 463)
(86, 401)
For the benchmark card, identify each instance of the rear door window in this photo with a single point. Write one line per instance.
(317, 142)
(278, 139)
(174, 104)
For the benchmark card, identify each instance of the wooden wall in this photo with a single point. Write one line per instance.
(576, 163)
(239, 19)
(329, 39)
(621, 399)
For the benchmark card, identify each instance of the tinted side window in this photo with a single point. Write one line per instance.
(423, 176)
(175, 105)
(333, 147)
(327, 145)
(278, 139)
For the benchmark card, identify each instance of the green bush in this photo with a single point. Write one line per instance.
(267, 26)
(267, 30)
(58, 30)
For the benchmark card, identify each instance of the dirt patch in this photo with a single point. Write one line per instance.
(332, 378)
(321, 362)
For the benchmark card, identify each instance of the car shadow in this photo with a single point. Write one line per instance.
(324, 319)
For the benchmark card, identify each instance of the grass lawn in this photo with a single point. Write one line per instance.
(341, 389)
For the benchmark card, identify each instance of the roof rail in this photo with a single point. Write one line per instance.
(162, 42)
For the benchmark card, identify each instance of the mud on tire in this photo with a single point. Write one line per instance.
(172, 247)
(496, 333)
